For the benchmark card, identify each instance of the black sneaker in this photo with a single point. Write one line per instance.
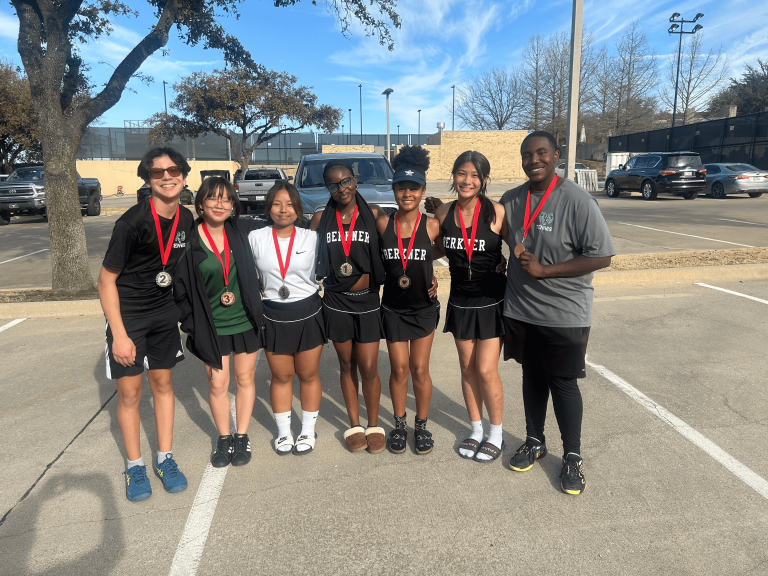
(572, 476)
(222, 454)
(242, 453)
(527, 454)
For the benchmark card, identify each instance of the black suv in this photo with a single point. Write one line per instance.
(679, 173)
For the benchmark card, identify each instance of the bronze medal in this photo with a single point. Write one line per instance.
(404, 282)
(519, 249)
(284, 292)
(346, 269)
(227, 299)
(163, 279)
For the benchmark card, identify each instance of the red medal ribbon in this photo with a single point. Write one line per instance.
(528, 222)
(225, 264)
(346, 239)
(165, 251)
(469, 245)
(284, 269)
(404, 255)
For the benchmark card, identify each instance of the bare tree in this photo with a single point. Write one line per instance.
(701, 75)
(532, 75)
(492, 101)
(635, 80)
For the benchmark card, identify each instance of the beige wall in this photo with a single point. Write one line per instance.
(114, 173)
(335, 149)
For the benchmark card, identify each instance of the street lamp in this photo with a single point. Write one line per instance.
(164, 98)
(350, 127)
(678, 29)
(419, 133)
(361, 113)
(398, 134)
(453, 110)
(342, 132)
(386, 93)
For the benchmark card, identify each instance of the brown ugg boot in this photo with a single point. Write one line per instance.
(356, 440)
(377, 442)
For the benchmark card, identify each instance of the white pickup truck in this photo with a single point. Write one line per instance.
(253, 187)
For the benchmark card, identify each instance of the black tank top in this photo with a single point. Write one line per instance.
(358, 253)
(419, 269)
(486, 256)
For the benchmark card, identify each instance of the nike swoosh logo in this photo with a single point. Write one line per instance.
(302, 252)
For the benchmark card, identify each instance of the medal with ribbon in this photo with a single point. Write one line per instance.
(227, 299)
(164, 279)
(346, 242)
(469, 244)
(284, 291)
(528, 221)
(404, 282)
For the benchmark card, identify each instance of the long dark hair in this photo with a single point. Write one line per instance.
(214, 187)
(293, 194)
(483, 167)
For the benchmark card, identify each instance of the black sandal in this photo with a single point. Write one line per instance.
(397, 441)
(424, 441)
(491, 450)
(469, 444)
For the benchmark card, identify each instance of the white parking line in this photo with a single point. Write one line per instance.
(732, 292)
(442, 261)
(25, 255)
(186, 560)
(745, 474)
(689, 235)
(11, 324)
(743, 222)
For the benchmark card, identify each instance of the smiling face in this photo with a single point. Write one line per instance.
(408, 194)
(467, 181)
(282, 210)
(166, 186)
(539, 161)
(344, 195)
(217, 207)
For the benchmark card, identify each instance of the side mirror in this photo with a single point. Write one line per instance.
(291, 178)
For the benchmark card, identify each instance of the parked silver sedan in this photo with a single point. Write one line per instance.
(723, 179)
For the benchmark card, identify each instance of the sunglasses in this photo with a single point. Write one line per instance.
(173, 172)
(334, 188)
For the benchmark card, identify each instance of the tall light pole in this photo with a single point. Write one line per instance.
(342, 132)
(573, 94)
(453, 110)
(361, 114)
(674, 30)
(398, 134)
(386, 93)
(419, 133)
(350, 127)
(164, 98)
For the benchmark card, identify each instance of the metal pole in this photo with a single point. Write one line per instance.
(164, 98)
(349, 136)
(573, 94)
(453, 110)
(418, 138)
(387, 92)
(398, 134)
(677, 76)
(361, 114)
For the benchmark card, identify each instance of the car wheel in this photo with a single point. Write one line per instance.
(5, 217)
(648, 191)
(755, 194)
(691, 195)
(718, 191)
(94, 206)
(610, 189)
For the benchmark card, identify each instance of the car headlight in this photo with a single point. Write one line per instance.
(40, 191)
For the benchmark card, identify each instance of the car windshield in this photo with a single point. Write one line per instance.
(26, 174)
(742, 168)
(685, 160)
(580, 166)
(262, 175)
(367, 170)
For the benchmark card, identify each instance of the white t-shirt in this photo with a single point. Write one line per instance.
(300, 276)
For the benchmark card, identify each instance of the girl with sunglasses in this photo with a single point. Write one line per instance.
(217, 291)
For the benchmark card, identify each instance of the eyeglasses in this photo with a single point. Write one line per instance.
(215, 201)
(334, 188)
(173, 172)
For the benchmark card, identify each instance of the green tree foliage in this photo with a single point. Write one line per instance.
(261, 104)
(19, 132)
(749, 93)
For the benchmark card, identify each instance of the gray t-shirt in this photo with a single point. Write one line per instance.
(570, 224)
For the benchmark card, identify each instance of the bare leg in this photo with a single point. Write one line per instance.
(245, 367)
(162, 393)
(128, 398)
(470, 385)
(487, 366)
(367, 363)
(311, 390)
(218, 395)
(348, 379)
(422, 381)
(398, 375)
(281, 390)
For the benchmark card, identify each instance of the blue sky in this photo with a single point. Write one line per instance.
(441, 42)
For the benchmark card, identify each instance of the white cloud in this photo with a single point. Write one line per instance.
(9, 26)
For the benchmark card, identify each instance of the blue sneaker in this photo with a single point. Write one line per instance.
(137, 486)
(169, 473)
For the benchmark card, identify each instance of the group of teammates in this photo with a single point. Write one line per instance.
(237, 286)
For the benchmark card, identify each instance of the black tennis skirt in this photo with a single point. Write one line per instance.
(244, 343)
(353, 316)
(476, 318)
(410, 325)
(291, 327)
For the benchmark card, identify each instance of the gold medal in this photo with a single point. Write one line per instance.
(346, 269)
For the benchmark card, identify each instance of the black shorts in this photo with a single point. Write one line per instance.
(353, 316)
(477, 318)
(558, 351)
(157, 340)
(291, 327)
(411, 325)
(246, 342)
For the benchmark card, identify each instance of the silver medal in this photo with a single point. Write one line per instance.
(164, 279)
(346, 269)
(284, 292)
(404, 282)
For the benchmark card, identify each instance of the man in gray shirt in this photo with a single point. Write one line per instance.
(558, 238)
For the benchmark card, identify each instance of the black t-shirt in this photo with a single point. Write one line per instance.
(135, 252)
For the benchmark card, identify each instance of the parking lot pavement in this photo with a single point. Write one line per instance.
(656, 503)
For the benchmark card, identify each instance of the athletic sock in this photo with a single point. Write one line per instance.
(283, 420)
(400, 422)
(131, 463)
(308, 420)
(495, 438)
(420, 424)
(162, 455)
(477, 435)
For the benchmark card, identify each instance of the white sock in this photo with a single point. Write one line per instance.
(477, 435)
(283, 420)
(161, 456)
(495, 438)
(131, 463)
(308, 420)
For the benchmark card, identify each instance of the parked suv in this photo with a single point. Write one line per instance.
(679, 173)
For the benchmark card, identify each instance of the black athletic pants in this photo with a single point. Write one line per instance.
(566, 399)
